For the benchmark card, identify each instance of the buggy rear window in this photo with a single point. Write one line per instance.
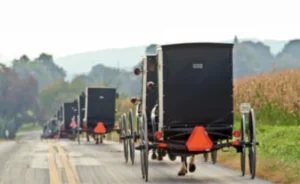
(151, 67)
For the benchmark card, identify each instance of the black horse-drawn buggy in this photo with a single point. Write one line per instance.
(80, 115)
(129, 134)
(194, 109)
(50, 128)
(69, 114)
(99, 113)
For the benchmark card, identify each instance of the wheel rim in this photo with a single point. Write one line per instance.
(78, 136)
(125, 141)
(146, 151)
(131, 144)
(252, 140)
(243, 152)
(142, 150)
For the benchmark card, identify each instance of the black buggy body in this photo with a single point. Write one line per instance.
(195, 89)
(81, 110)
(194, 112)
(149, 96)
(100, 110)
(68, 114)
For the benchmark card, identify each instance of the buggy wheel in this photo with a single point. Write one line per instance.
(131, 140)
(78, 136)
(141, 152)
(252, 141)
(214, 156)
(145, 151)
(120, 131)
(205, 157)
(243, 150)
(125, 141)
(87, 137)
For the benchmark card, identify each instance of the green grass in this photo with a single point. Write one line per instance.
(278, 153)
(18, 137)
(279, 142)
(30, 127)
(278, 133)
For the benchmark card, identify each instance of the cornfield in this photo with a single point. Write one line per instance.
(274, 96)
(279, 88)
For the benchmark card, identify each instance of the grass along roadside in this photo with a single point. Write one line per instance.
(30, 127)
(269, 169)
(278, 155)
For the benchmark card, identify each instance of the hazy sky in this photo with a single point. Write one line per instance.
(62, 27)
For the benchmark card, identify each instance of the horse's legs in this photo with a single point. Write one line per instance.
(154, 156)
(101, 139)
(183, 169)
(160, 154)
(97, 139)
(192, 166)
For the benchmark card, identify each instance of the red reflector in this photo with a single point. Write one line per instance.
(199, 140)
(133, 100)
(100, 129)
(150, 84)
(237, 133)
(235, 143)
(162, 145)
(158, 135)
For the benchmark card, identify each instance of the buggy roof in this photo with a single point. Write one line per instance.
(214, 44)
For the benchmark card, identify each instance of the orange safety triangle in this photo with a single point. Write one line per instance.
(199, 140)
(100, 129)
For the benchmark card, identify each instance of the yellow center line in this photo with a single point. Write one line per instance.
(53, 170)
(72, 177)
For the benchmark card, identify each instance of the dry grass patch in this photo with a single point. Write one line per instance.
(267, 169)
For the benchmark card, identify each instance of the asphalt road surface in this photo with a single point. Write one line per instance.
(35, 161)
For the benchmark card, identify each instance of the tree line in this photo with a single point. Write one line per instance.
(32, 89)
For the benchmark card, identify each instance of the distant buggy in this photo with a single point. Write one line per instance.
(100, 107)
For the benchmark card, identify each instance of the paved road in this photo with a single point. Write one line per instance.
(32, 161)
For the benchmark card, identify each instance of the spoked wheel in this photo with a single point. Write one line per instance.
(78, 135)
(252, 141)
(214, 156)
(131, 140)
(142, 150)
(87, 136)
(125, 141)
(120, 129)
(205, 157)
(243, 151)
(145, 151)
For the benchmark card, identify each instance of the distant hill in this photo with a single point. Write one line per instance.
(126, 58)
(80, 63)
